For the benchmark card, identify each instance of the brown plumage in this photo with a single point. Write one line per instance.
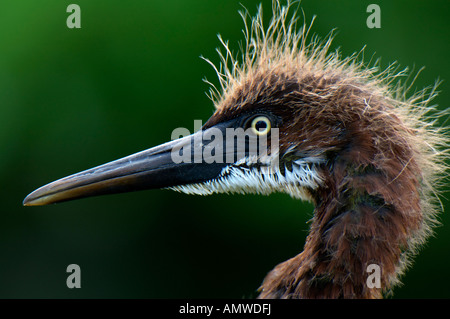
(375, 206)
(350, 141)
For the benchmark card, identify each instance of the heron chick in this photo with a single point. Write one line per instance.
(350, 138)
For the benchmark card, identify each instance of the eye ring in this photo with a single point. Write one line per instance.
(261, 125)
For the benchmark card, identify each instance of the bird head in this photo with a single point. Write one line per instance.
(278, 128)
(287, 115)
(266, 135)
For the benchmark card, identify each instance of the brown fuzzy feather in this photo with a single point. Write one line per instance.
(376, 205)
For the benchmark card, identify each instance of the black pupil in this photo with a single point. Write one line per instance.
(260, 126)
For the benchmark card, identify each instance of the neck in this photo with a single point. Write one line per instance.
(364, 216)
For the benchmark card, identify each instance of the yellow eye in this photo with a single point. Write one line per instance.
(261, 125)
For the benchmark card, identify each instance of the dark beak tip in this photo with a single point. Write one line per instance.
(35, 198)
(28, 201)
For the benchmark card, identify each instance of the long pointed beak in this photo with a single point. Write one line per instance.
(149, 169)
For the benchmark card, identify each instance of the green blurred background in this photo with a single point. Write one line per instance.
(71, 99)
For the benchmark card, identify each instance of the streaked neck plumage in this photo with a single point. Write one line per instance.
(367, 212)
